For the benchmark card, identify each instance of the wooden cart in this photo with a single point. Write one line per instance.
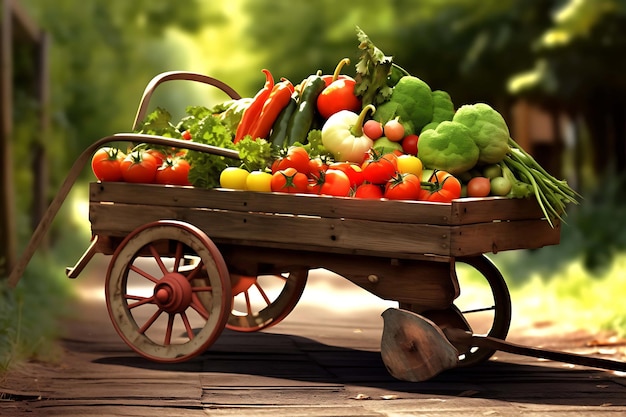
(197, 258)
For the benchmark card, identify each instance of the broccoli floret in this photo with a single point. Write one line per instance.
(411, 102)
(443, 108)
(488, 129)
(449, 147)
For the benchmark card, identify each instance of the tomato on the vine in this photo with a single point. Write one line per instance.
(159, 156)
(393, 130)
(379, 168)
(173, 171)
(373, 129)
(478, 187)
(259, 181)
(317, 166)
(296, 157)
(403, 187)
(409, 144)
(105, 164)
(352, 170)
(443, 188)
(139, 167)
(234, 178)
(336, 183)
(369, 191)
(289, 180)
(186, 135)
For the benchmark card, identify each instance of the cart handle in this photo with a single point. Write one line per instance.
(72, 176)
(178, 75)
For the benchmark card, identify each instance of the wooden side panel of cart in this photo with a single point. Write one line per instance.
(402, 229)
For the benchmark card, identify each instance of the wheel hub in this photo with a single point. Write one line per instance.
(173, 293)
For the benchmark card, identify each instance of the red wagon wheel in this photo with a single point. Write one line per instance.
(485, 311)
(162, 314)
(265, 300)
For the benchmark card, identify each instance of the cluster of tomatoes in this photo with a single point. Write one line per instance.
(140, 166)
(392, 175)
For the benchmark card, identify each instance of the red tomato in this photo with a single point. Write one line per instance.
(378, 169)
(369, 191)
(159, 156)
(328, 78)
(186, 135)
(409, 144)
(373, 129)
(479, 187)
(317, 166)
(403, 187)
(394, 131)
(296, 157)
(139, 166)
(173, 172)
(105, 164)
(289, 180)
(445, 187)
(335, 183)
(352, 170)
(339, 95)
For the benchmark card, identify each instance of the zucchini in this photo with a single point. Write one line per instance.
(279, 130)
(302, 119)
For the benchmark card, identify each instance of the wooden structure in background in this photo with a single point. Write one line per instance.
(18, 30)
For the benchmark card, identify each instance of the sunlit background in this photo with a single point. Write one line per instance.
(553, 68)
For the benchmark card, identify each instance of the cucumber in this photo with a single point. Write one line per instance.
(279, 130)
(302, 119)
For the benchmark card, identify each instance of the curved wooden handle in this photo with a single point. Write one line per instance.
(178, 75)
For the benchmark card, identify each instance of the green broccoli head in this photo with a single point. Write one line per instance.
(443, 108)
(411, 101)
(449, 147)
(488, 129)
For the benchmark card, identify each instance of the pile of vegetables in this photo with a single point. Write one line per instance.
(380, 134)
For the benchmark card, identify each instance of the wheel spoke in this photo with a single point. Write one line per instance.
(183, 315)
(195, 271)
(178, 256)
(262, 292)
(168, 330)
(140, 301)
(157, 258)
(479, 310)
(143, 273)
(150, 322)
(199, 307)
(248, 306)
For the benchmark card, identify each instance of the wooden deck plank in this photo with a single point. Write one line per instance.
(317, 362)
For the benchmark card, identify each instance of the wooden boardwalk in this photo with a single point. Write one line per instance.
(320, 361)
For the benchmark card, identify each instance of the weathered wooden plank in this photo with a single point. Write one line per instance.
(262, 229)
(248, 201)
(481, 210)
(461, 211)
(493, 237)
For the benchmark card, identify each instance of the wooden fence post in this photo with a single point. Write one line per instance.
(8, 239)
(17, 28)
